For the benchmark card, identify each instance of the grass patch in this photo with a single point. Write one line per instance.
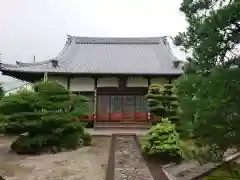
(225, 173)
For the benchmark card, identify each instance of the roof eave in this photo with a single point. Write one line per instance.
(4, 70)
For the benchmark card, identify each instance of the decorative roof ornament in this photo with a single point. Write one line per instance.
(54, 63)
(176, 63)
(69, 39)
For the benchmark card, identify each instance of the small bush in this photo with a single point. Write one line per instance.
(72, 141)
(28, 145)
(163, 140)
(87, 139)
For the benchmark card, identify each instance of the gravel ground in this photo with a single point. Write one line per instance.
(129, 164)
(87, 163)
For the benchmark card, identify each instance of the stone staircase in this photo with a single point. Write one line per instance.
(122, 124)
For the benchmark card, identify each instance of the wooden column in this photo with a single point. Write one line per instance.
(149, 114)
(45, 77)
(68, 83)
(95, 99)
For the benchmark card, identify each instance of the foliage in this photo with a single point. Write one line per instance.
(162, 102)
(213, 32)
(193, 150)
(17, 109)
(229, 171)
(163, 140)
(46, 116)
(214, 110)
(87, 139)
(1, 92)
(208, 91)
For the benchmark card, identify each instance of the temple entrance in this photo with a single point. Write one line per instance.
(121, 108)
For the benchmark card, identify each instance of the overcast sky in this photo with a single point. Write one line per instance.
(39, 27)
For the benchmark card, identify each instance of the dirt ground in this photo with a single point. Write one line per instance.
(87, 163)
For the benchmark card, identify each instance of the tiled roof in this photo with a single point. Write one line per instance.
(89, 55)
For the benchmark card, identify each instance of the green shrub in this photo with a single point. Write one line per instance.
(47, 117)
(29, 145)
(87, 139)
(163, 140)
(72, 141)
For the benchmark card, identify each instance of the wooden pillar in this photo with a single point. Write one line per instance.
(68, 83)
(149, 114)
(95, 100)
(45, 77)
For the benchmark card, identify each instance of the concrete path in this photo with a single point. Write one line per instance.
(129, 163)
(126, 162)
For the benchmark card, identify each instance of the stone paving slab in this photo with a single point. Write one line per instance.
(129, 164)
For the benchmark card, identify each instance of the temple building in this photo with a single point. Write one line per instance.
(114, 73)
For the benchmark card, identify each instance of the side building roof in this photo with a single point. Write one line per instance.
(95, 55)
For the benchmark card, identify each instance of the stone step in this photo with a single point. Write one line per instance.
(117, 126)
(124, 122)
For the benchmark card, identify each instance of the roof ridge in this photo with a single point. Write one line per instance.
(115, 40)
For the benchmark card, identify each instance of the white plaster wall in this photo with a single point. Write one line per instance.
(107, 82)
(159, 80)
(137, 82)
(61, 79)
(81, 84)
(27, 87)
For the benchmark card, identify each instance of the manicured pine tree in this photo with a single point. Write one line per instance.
(47, 117)
(163, 102)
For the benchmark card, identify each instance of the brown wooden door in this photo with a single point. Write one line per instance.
(128, 107)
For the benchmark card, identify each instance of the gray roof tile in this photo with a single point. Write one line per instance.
(107, 55)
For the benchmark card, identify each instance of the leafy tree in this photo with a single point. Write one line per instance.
(163, 140)
(1, 92)
(212, 34)
(209, 90)
(163, 102)
(47, 117)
